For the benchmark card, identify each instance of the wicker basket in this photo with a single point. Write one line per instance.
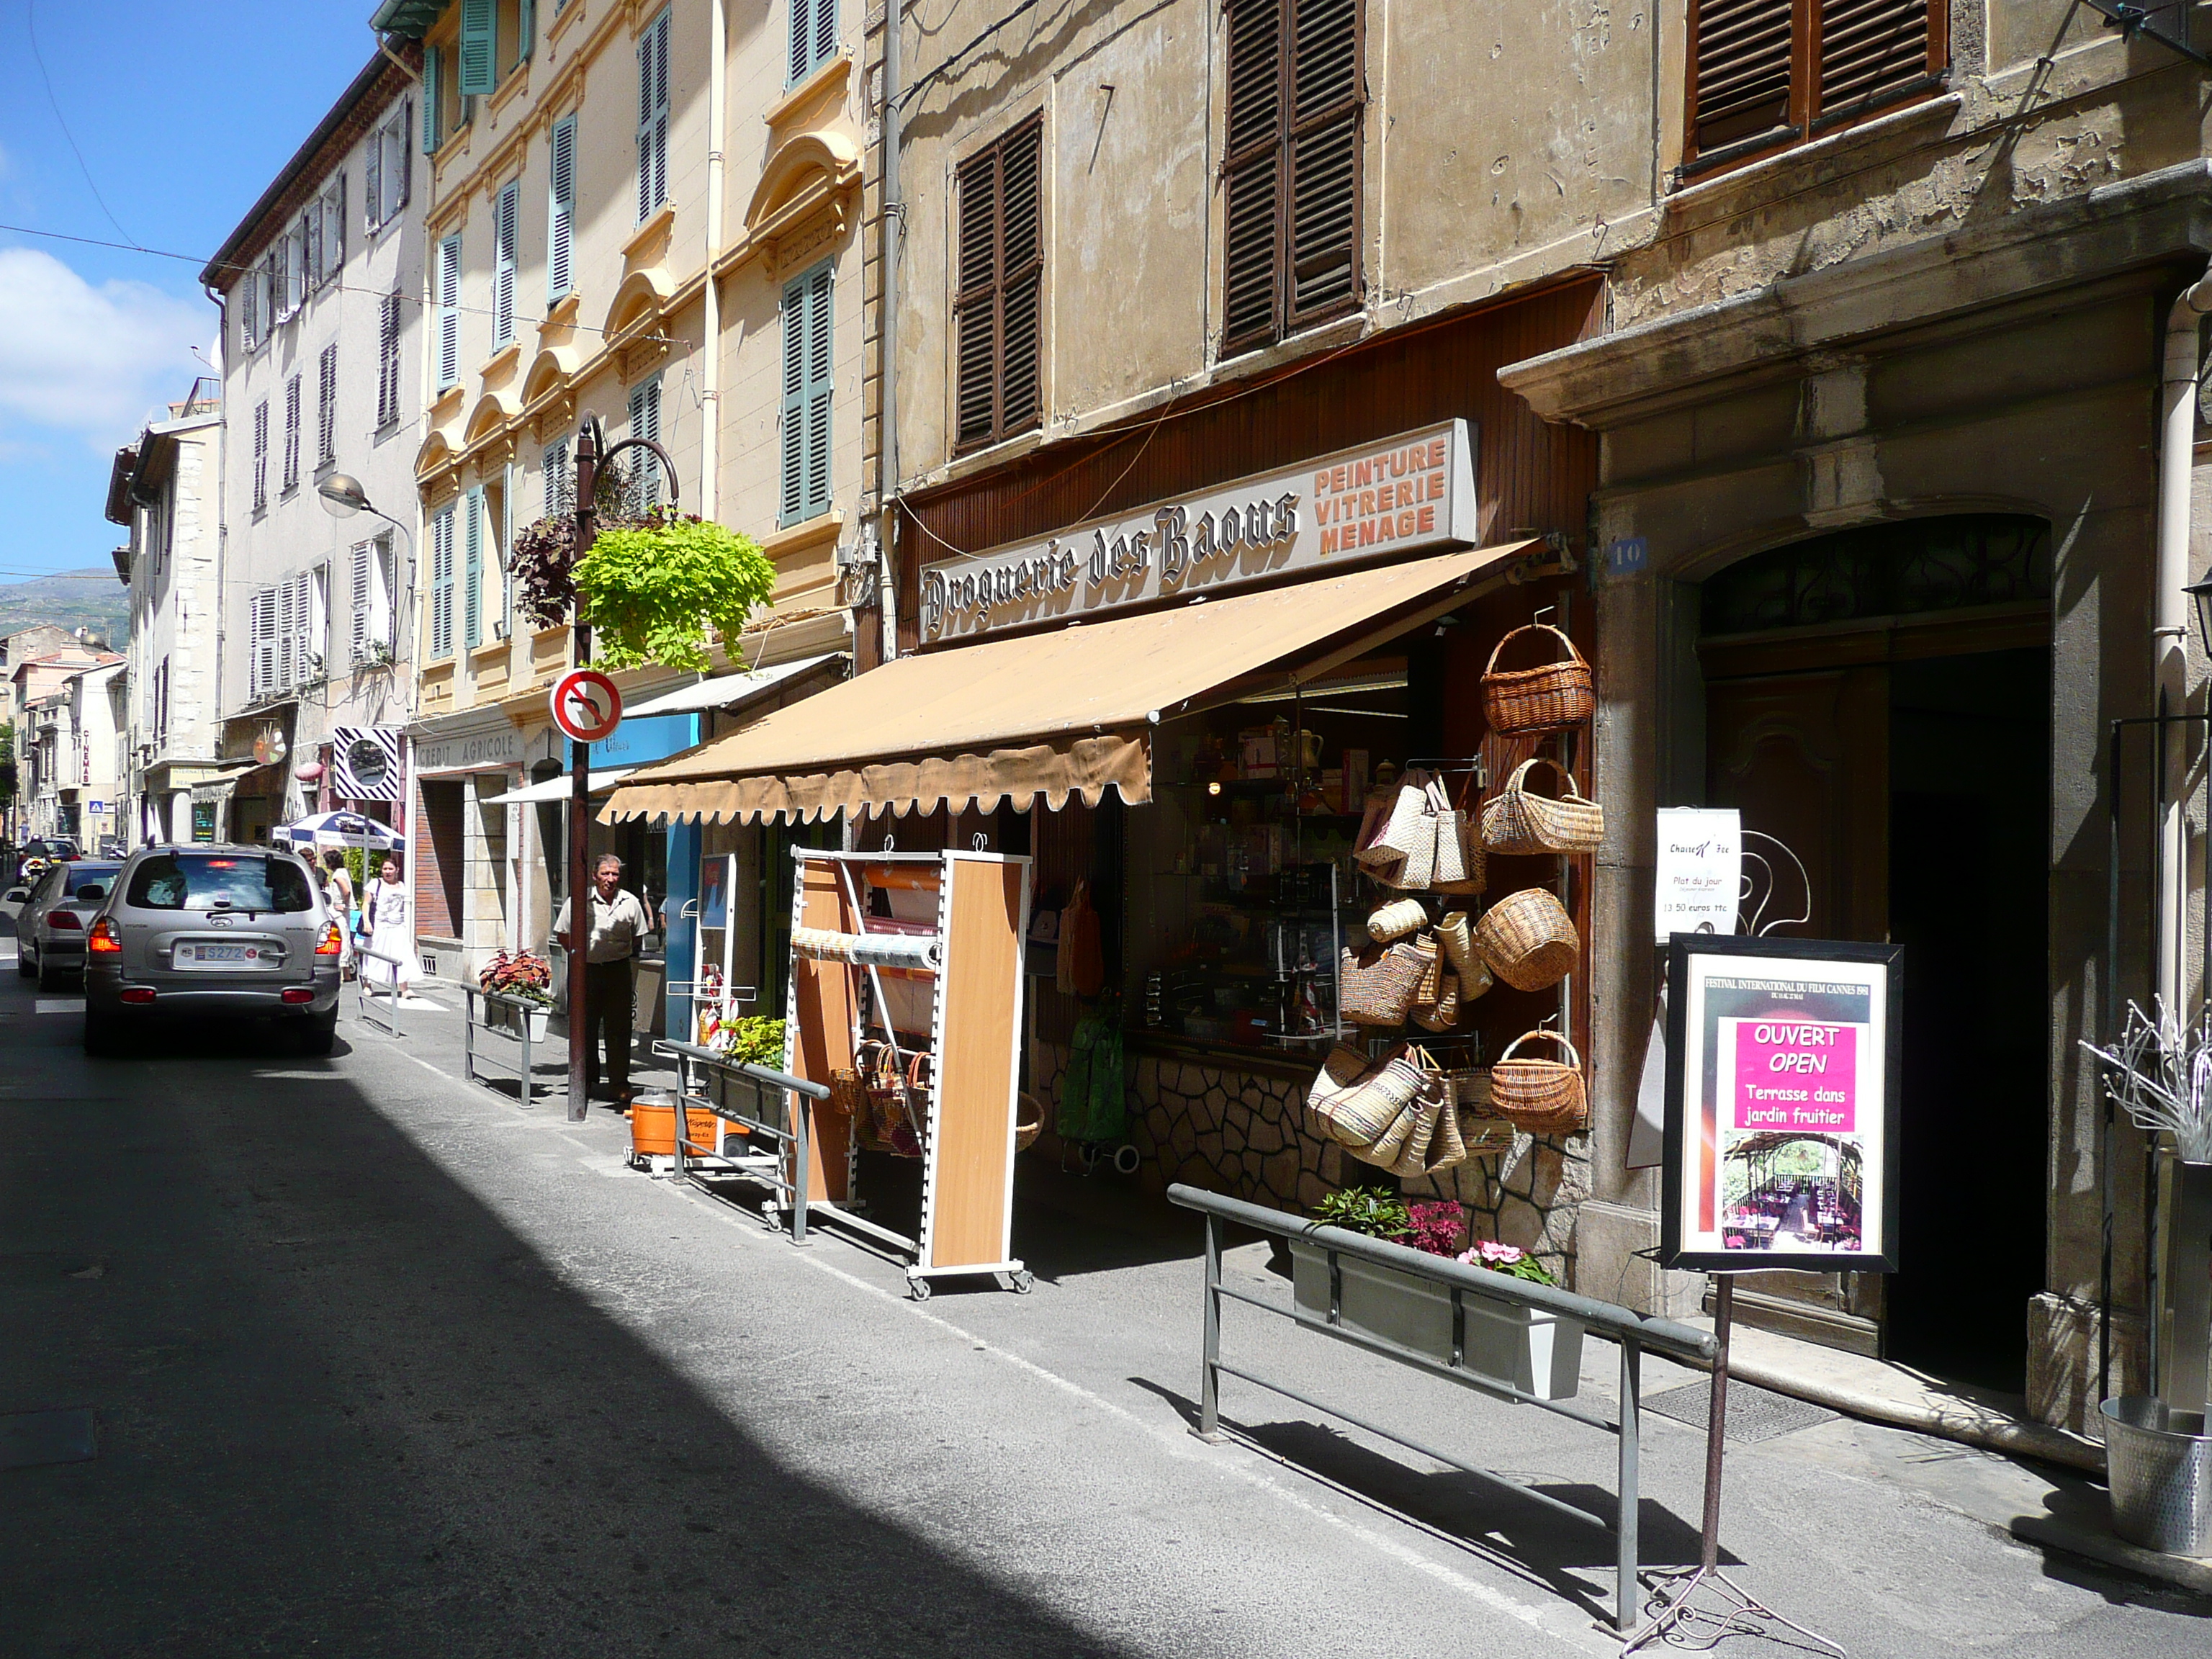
(1516, 822)
(1544, 1096)
(1026, 1131)
(1551, 698)
(1395, 919)
(1368, 1111)
(1456, 937)
(1377, 988)
(1528, 939)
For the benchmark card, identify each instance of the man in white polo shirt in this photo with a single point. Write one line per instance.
(617, 924)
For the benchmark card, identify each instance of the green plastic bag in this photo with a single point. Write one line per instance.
(1093, 1102)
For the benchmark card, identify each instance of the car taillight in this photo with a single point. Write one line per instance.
(297, 994)
(65, 919)
(333, 942)
(102, 939)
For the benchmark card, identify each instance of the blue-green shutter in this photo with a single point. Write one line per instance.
(561, 212)
(479, 46)
(473, 514)
(807, 386)
(526, 29)
(441, 585)
(433, 107)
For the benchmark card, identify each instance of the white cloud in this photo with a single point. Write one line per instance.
(88, 360)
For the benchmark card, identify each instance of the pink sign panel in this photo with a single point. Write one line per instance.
(1796, 1074)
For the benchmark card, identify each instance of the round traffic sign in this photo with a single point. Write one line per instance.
(586, 705)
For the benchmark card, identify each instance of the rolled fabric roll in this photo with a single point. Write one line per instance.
(916, 951)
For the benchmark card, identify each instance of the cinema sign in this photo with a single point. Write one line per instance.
(1408, 493)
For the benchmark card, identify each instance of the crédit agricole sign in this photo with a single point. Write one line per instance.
(1399, 496)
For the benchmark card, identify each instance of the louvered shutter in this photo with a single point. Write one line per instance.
(311, 245)
(399, 169)
(974, 306)
(449, 313)
(526, 29)
(441, 585)
(387, 362)
(261, 455)
(372, 181)
(307, 650)
(432, 97)
(334, 228)
(261, 631)
(502, 279)
(472, 515)
(802, 39)
(825, 31)
(292, 433)
(1324, 160)
(560, 212)
(554, 472)
(1870, 50)
(249, 319)
(792, 493)
(326, 406)
(645, 422)
(820, 384)
(652, 116)
(363, 598)
(1764, 72)
(479, 46)
(1252, 163)
(1741, 61)
(1021, 279)
(287, 630)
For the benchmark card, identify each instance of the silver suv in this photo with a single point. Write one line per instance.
(201, 930)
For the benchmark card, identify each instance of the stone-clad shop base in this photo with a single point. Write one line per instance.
(1250, 1136)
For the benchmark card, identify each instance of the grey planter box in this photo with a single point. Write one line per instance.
(1538, 1353)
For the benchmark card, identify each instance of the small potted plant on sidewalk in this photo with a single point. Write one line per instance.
(525, 979)
(2158, 1454)
(1536, 1351)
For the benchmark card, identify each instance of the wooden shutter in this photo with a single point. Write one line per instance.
(432, 97)
(372, 180)
(261, 455)
(249, 317)
(399, 162)
(560, 212)
(292, 433)
(326, 406)
(1001, 275)
(261, 630)
(448, 278)
(441, 585)
(363, 598)
(820, 384)
(1741, 63)
(645, 422)
(311, 246)
(802, 39)
(1324, 163)
(526, 29)
(334, 228)
(825, 31)
(1252, 166)
(1871, 51)
(652, 117)
(797, 328)
(553, 471)
(387, 360)
(288, 632)
(479, 47)
(1765, 72)
(502, 273)
(472, 515)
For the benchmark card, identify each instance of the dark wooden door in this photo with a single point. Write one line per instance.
(1805, 758)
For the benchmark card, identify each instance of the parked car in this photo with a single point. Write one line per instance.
(212, 930)
(112, 847)
(50, 931)
(13, 900)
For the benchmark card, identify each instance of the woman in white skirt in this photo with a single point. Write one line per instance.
(385, 914)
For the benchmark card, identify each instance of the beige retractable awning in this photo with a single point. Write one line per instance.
(1064, 712)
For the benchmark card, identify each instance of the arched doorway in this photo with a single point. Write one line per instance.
(1880, 700)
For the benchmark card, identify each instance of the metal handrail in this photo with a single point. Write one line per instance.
(1632, 1331)
(757, 1074)
(524, 1070)
(1607, 1318)
(366, 999)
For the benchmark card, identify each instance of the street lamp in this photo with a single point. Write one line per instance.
(2201, 593)
(593, 454)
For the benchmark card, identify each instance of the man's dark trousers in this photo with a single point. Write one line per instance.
(607, 1012)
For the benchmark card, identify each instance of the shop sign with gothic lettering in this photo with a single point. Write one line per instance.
(1408, 493)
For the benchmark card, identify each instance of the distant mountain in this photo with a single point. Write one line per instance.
(73, 599)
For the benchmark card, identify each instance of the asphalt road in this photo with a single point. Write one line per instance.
(384, 1365)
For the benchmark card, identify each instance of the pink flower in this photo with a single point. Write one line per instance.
(1488, 1253)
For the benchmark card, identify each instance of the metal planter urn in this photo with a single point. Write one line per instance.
(1537, 1352)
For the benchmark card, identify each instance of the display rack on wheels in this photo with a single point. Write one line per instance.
(905, 1000)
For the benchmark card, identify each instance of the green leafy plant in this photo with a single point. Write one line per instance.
(755, 1039)
(1507, 1258)
(1375, 1211)
(651, 590)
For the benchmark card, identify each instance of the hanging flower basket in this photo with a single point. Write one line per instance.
(650, 590)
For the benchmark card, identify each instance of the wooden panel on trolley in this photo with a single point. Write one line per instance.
(974, 1145)
(823, 998)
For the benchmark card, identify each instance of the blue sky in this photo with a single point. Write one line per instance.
(183, 112)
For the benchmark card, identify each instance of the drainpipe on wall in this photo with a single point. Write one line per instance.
(710, 372)
(893, 232)
(2170, 630)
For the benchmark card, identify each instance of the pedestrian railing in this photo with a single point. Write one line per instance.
(496, 1014)
(756, 1099)
(371, 994)
(1464, 1306)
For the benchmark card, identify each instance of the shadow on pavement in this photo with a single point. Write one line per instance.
(345, 1409)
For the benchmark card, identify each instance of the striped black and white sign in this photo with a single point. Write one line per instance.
(365, 762)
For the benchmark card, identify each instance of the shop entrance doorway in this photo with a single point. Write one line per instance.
(1880, 702)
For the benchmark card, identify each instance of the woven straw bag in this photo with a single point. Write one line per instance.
(1405, 1146)
(1404, 851)
(1377, 988)
(1551, 698)
(1341, 1073)
(1442, 1014)
(1395, 919)
(1368, 1108)
(1517, 821)
(1461, 867)
(1456, 937)
(1544, 1096)
(1528, 939)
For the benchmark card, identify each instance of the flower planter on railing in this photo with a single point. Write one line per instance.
(1538, 1352)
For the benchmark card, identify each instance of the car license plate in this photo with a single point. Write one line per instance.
(218, 956)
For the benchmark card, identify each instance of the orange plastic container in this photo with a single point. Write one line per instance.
(653, 1129)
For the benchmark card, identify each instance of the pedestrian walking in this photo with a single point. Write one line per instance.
(337, 892)
(618, 925)
(386, 904)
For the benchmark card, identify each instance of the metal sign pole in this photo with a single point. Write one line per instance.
(580, 800)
